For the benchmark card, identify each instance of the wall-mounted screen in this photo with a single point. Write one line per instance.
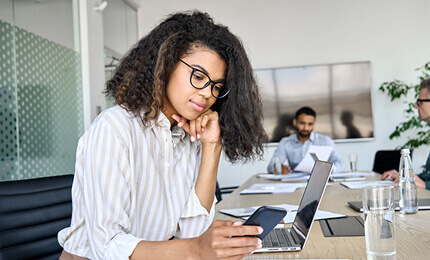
(339, 93)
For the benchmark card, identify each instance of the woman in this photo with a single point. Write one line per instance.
(146, 169)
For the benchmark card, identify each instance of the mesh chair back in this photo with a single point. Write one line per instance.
(31, 214)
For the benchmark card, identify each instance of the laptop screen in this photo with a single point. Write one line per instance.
(311, 199)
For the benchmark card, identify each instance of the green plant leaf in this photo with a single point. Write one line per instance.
(420, 130)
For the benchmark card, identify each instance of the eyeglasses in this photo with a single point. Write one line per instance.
(201, 80)
(419, 101)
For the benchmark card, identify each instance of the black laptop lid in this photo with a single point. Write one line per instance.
(311, 199)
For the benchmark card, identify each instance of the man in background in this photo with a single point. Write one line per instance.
(294, 147)
(423, 106)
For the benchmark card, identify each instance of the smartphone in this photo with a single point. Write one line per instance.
(267, 217)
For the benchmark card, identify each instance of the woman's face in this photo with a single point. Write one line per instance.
(181, 97)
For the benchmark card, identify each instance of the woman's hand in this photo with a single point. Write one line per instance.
(228, 240)
(204, 128)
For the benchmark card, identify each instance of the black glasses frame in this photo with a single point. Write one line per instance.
(419, 101)
(207, 83)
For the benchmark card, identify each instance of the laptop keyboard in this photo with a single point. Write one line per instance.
(278, 237)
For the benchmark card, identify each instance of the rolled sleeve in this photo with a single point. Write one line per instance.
(107, 197)
(195, 219)
(121, 247)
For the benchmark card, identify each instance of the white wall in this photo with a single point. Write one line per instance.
(52, 20)
(393, 35)
(119, 26)
(93, 61)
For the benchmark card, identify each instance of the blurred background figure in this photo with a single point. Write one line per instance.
(347, 119)
(284, 127)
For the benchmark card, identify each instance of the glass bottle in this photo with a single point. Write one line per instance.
(407, 189)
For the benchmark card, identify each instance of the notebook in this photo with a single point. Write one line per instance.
(422, 204)
(294, 238)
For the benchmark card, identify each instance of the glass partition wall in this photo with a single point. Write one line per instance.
(41, 111)
(119, 33)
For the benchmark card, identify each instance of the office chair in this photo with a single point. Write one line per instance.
(31, 214)
(225, 190)
(386, 160)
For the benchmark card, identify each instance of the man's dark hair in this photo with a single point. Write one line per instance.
(425, 84)
(140, 81)
(307, 111)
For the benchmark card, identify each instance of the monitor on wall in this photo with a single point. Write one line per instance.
(339, 93)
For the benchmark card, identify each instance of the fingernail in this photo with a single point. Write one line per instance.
(260, 229)
(259, 242)
(180, 124)
(193, 138)
(259, 246)
(198, 136)
(203, 129)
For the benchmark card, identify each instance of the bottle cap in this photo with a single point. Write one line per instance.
(403, 151)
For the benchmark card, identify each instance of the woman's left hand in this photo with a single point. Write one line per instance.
(204, 128)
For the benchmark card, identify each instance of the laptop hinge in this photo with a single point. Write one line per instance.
(296, 239)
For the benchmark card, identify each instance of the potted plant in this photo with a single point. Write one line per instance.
(398, 89)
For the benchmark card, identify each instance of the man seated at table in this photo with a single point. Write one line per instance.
(294, 147)
(423, 106)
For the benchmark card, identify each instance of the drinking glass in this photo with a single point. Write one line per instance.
(277, 165)
(353, 162)
(378, 205)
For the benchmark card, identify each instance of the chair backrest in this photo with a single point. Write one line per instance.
(386, 160)
(31, 214)
(225, 190)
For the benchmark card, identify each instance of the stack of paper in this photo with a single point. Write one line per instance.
(294, 176)
(321, 214)
(289, 218)
(272, 188)
(246, 212)
(350, 176)
(362, 184)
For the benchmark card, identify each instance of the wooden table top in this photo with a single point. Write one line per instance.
(412, 231)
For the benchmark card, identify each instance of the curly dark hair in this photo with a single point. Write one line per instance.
(139, 82)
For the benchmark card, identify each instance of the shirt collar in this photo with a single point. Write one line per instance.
(178, 132)
(311, 138)
(163, 122)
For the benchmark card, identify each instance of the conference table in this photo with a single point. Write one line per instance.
(412, 230)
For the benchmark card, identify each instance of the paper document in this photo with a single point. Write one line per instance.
(294, 176)
(271, 188)
(322, 152)
(350, 176)
(289, 218)
(321, 214)
(362, 184)
(246, 212)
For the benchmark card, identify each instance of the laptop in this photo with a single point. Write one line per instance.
(358, 205)
(294, 238)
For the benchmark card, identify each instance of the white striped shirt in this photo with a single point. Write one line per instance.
(133, 183)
